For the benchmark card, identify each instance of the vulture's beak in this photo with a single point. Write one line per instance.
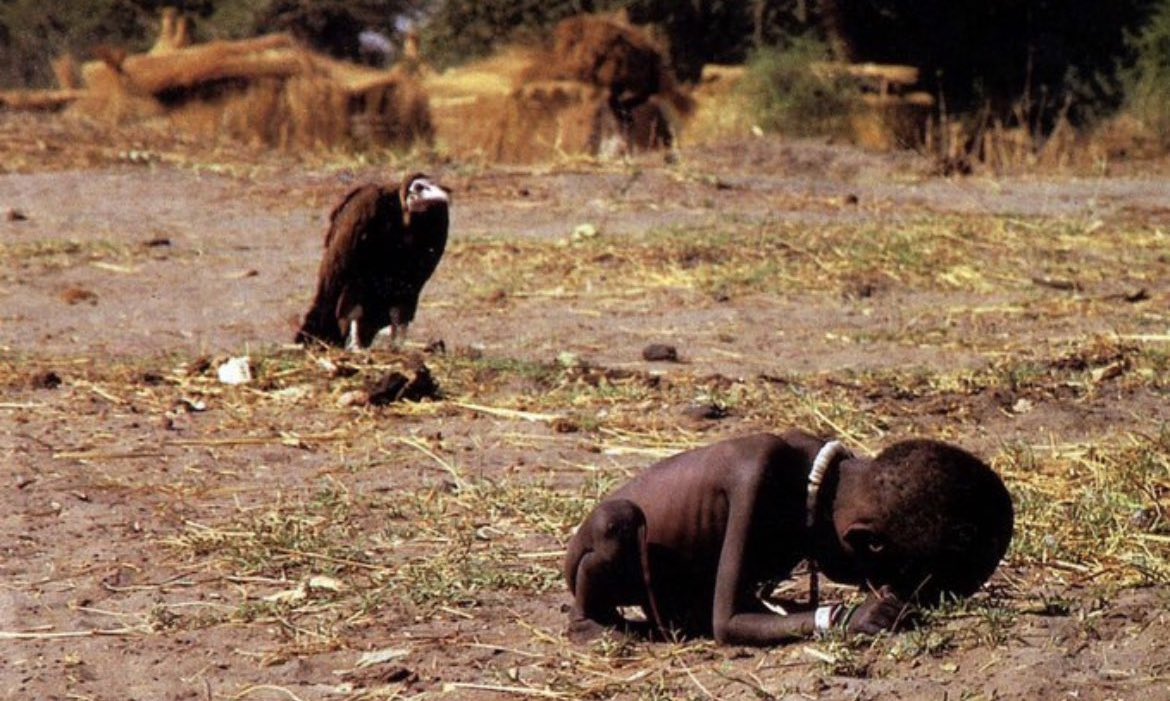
(424, 194)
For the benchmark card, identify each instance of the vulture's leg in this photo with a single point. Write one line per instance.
(398, 334)
(351, 339)
(349, 313)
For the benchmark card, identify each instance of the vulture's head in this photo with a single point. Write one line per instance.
(420, 194)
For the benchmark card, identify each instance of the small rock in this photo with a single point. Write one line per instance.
(660, 352)
(1138, 295)
(152, 378)
(1144, 519)
(77, 295)
(703, 412)
(435, 347)
(16, 215)
(157, 242)
(563, 425)
(46, 379)
(850, 199)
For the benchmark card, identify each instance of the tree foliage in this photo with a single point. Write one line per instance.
(1147, 79)
(997, 54)
(697, 31)
(33, 32)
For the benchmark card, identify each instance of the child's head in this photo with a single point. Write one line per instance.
(937, 521)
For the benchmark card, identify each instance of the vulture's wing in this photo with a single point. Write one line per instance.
(362, 229)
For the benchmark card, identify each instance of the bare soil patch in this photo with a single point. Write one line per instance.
(169, 536)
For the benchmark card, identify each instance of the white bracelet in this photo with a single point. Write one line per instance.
(823, 618)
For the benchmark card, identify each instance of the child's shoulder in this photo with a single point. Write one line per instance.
(765, 445)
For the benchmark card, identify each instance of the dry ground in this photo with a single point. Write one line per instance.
(167, 536)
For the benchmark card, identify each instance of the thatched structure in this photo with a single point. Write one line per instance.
(602, 87)
(268, 89)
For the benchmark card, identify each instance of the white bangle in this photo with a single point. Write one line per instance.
(823, 618)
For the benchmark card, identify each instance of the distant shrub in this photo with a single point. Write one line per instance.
(1024, 62)
(787, 96)
(1147, 80)
(36, 31)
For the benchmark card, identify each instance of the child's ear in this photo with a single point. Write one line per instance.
(864, 540)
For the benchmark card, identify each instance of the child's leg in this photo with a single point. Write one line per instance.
(605, 568)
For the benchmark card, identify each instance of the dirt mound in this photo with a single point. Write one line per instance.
(602, 87)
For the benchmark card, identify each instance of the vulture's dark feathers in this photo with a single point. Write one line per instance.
(382, 246)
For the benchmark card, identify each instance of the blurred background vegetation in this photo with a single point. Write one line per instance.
(1025, 60)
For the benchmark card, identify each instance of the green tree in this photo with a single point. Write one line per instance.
(1147, 79)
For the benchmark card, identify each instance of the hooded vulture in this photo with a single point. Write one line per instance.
(382, 246)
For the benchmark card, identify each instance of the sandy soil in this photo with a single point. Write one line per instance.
(149, 264)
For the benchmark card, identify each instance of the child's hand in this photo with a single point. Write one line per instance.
(881, 611)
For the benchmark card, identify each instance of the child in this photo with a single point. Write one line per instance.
(692, 538)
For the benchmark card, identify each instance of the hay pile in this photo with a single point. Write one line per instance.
(269, 90)
(892, 115)
(603, 87)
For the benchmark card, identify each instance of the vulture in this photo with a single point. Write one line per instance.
(382, 246)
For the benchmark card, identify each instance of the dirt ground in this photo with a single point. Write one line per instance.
(166, 536)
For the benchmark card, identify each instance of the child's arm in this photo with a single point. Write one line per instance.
(881, 611)
(735, 617)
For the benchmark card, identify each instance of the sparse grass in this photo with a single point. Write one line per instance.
(50, 254)
(934, 253)
(454, 545)
(1093, 511)
(416, 516)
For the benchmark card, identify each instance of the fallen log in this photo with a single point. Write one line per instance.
(274, 56)
(39, 100)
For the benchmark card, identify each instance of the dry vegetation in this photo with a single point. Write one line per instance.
(280, 539)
